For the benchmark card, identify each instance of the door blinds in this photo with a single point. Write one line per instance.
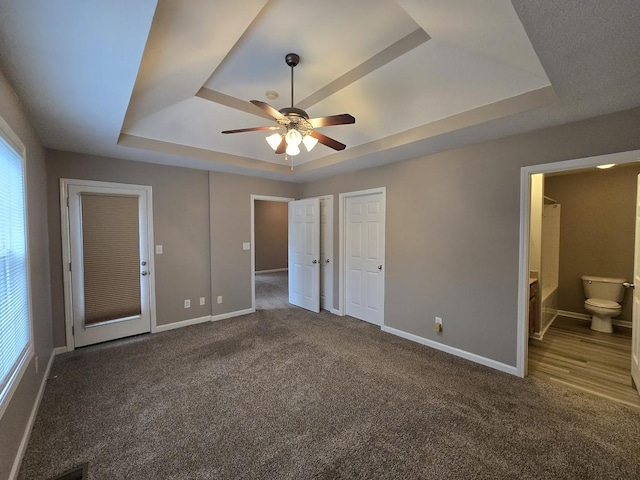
(111, 257)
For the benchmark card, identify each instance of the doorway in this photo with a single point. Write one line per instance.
(570, 326)
(107, 231)
(269, 240)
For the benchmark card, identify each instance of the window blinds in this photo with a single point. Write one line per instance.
(14, 296)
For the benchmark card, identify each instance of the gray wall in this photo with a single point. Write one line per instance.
(180, 221)
(271, 235)
(452, 232)
(15, 418)
(597, 230)
(230, 227)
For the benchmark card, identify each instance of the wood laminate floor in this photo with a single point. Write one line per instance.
(573, 354)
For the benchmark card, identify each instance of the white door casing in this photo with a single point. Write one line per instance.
(635, 326)
(304, 254)
(78, 332)
(364, 257)
(326, 252)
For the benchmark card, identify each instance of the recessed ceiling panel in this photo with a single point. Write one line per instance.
(331, 37)
(434, 81)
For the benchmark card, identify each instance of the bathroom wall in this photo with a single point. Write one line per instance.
(271, 234)
(535, 227)
(597, 229)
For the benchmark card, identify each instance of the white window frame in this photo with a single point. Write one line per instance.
(14, 141)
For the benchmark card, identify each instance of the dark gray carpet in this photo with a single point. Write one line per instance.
(285, 394)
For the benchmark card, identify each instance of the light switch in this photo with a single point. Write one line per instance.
(158, 249)
(246, 246)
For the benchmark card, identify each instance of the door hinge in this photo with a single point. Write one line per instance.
(73, 330)
(67, 201)
(69, 266)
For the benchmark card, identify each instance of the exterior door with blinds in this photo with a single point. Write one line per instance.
(109, 261)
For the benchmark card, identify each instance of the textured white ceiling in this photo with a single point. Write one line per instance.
(158, 81)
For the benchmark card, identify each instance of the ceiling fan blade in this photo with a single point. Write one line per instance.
(269, 109)
(328, 141)
(342, 119)
(282, 147)
(252, 129)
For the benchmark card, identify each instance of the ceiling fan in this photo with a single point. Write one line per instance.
(299, 128)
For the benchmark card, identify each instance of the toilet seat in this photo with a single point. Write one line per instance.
(601, 303)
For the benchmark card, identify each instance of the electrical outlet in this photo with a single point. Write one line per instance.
(246, 246)
(187, 303)
(439, 320)
(201, 300)
(158, 249)
(220, 299)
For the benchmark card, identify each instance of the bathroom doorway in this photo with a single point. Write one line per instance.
(559, 344)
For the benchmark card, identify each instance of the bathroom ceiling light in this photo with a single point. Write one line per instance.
(604, 167)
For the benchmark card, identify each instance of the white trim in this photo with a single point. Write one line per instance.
(329, 248)
(60, 350)
(488, 362)
(182, 323)
(266, 198)
(32, 417)
(575, 315)
(335, 311)
(587, 318)
(525, 201)
(65, 183)
(237, 313)
(273, 270)
(342, 247)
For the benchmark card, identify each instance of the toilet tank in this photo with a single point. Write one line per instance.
(605, 288)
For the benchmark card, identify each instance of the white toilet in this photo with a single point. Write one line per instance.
(604, 295)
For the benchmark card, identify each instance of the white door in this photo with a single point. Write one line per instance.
(326, 253)
(304, 254)
(109, 252)
(365, 219)
(635, 327)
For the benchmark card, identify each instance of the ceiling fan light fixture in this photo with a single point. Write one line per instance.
(293, 137)
(292, 149)
(274, 140)
(309, 142)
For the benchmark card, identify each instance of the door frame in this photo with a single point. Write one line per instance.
(266, 198)
(522, 352)
(66, 249)
(329, 198)
(342, 228)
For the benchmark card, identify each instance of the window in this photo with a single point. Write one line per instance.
(15, 323)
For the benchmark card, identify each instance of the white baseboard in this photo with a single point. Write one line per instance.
(587, 318)
(275, 270)
(237, 313)
(183, 323)
(503, 367)
(59, 350)
(32, 417)
(577, 316)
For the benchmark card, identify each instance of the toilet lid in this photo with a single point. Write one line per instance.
(599, 302)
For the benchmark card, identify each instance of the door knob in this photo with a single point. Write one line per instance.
(144, 273)
(326, 261)
(143, 263)
(315, 261)
(379, 267)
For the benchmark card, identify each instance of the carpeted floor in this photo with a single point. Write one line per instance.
(286, 394)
